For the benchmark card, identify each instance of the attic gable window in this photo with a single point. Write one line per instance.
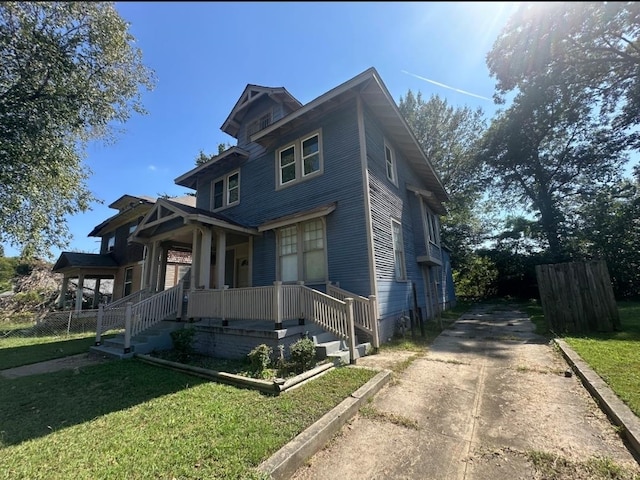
(225, 191)
(258, 124)
(299, 160)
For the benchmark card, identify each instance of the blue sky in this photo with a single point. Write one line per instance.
(205, 53)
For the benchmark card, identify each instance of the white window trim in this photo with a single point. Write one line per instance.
(300, 176)
(225, 191)
(112, 236)
(394, 162)
(124, 282)
(300, 251)
(403, 277)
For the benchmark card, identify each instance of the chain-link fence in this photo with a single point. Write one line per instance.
(53, 324)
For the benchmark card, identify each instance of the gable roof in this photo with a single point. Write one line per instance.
(250, 94)
(219, 162)
(369, 87)
(68, 260)
(129, 207)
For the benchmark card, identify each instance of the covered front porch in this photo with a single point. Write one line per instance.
(220, 249)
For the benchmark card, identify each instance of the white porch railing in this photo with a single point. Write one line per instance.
(137, 317)
(135, 297)
(365, 311)
(277, 303)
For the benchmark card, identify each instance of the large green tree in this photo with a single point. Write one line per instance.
(69, 73)
(548, 149)
(581, 46)
(449, 137)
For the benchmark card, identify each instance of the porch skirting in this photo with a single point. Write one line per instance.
(239, 338)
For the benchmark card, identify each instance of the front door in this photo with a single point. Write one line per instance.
(242, 272)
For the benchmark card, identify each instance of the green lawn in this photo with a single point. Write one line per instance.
(616, 356)
(16, 351)
(128, 419)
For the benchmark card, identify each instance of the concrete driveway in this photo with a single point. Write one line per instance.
(489, 400)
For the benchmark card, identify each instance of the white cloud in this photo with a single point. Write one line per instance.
(153, 168)
(446, 86)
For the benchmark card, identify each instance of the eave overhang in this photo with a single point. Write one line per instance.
(221, 163)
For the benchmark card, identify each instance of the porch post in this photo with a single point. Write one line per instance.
(79, 292)
(63, 292)
(99, 323)
(373, 313)
(143, 274)
(352, 331)
(205, 259)
(96, 293)
(277, 305)
(195, 258)
(221, 252)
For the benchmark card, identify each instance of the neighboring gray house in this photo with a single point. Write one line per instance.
(334, 193)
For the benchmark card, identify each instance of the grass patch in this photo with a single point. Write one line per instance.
(18, 351)
(432, 328)
(552, 466)
(616, 356)
(373, 413)
(132, 420)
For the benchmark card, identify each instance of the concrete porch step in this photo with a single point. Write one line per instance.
(110, 352)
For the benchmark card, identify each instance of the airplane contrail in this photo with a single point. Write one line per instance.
(445, 86)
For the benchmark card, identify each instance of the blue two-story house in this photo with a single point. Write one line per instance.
(337, 191)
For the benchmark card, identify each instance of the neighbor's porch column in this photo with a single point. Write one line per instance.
(153, 275)
(195, 258)
(79, 292)
(96, 293)
(63, 291)
(164, 253)
(205, 258)
(221, 253)
(145, 268)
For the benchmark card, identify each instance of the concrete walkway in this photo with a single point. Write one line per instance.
(487, 395)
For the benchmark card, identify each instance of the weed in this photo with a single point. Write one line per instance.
(373, 413)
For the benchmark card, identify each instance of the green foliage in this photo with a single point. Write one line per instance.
(477, 279)
(302, 354)
(7, 273)
(69, 73)
(183, 341)
(260, 358)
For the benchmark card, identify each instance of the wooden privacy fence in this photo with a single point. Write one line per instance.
(577, 297)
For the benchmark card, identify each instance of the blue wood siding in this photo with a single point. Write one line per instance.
(387, 200)
(340, 182)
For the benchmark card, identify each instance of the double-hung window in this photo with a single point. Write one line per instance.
(111, 242)
(301, 252)
(390, 164)
(398, 250)
(226, 191)
(299, 160)
(128, 282)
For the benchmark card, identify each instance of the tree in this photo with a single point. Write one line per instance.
(547, 148)
(582, 46)
(69, 73)
(449, 136)
(203, 158)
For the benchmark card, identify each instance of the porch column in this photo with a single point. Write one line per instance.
(221, 253)
(164, 252)
(63, 291)
(96, 293)
(205, 258)
(79, 292)
(195, 259)
(153, 275)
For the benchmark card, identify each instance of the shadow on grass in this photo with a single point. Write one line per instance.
(39, 352)
(38, 405)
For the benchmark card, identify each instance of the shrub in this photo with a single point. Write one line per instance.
(183, 342)
(260, 358)
(303, 354)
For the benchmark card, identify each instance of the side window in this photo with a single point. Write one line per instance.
(398, 250)
(111, 242)
(128, 281)
(225, 191)
(390, 164)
